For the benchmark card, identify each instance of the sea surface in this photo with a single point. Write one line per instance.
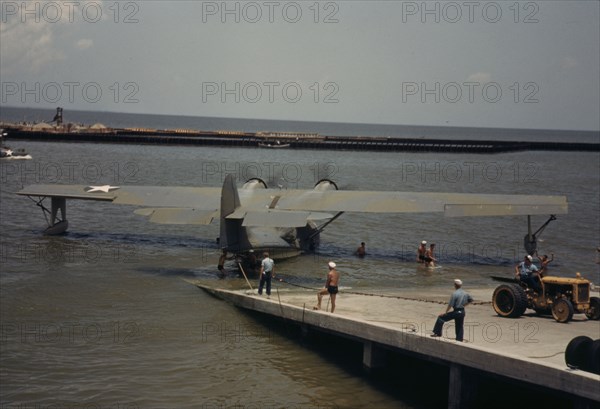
(103, 317)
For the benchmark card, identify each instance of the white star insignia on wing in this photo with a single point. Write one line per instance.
(104, 188)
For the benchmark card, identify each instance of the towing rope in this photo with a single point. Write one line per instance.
(398, 297)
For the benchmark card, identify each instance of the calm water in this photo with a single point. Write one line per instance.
(102, 316)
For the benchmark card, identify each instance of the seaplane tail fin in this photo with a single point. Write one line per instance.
(230, 199)
(233, 236)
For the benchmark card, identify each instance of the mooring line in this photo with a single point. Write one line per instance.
(399, 297)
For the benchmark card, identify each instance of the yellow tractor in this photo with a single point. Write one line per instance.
(560, 296)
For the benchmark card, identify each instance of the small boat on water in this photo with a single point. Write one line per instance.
(275, 145)
(7, 153)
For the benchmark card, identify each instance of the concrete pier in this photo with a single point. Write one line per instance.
(253, 139)
(528, 351)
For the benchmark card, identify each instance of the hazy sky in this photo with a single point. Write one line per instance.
(465, 63)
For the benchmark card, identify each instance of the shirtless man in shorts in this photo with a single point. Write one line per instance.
(331, 287)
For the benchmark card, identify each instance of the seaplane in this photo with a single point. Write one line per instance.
(285, 222)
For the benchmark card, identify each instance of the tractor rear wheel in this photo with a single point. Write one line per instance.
(562, 310)
(509, 300)
(593, 313)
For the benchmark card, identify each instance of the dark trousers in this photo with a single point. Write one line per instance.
(532, 282)
(458, 315)
(265, 278)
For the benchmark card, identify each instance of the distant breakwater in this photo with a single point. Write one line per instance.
(294, 140)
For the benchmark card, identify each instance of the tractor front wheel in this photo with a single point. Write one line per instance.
(562, 310)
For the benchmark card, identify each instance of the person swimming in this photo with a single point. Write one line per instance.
(361, 251)
(421, 252)
(429, 256)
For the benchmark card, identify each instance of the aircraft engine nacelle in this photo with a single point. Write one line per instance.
(255, 183)
(325, 184)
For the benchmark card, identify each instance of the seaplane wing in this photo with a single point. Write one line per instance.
(69, 192)
(293, 207)
(254, 206)
(451, 204)
(164, 205)
(205, 198)
(310, 204)
(169, 215)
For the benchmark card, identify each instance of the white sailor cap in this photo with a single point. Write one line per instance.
(457, 281)
(423, 242)
(331, 264)
(529, 257)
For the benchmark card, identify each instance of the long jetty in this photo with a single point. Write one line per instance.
(526, 353)
(289, 139)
